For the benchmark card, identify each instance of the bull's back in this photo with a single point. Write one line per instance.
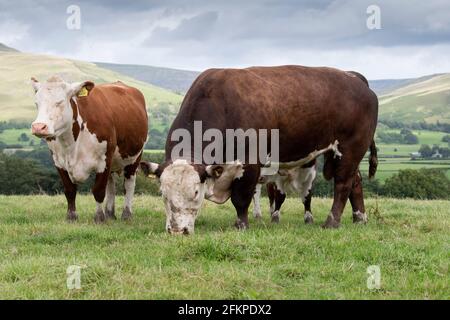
(311, 107)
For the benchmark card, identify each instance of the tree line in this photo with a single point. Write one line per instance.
(33, 172)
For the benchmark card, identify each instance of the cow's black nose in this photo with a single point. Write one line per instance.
(185, 231)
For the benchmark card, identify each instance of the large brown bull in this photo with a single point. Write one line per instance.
(311, 107)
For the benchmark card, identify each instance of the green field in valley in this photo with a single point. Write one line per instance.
(11, 136)
(138, 259)
(394, 157)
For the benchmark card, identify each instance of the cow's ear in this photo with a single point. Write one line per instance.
(150, 168)
(81, 89)
(36, 85)
(214, 171)
(201, 169)
(227, 171)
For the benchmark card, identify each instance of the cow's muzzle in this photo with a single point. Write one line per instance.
(184, 231)
(40, 130)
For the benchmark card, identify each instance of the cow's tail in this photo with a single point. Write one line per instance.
(373, 160)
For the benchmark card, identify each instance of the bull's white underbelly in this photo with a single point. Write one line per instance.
(297, 180)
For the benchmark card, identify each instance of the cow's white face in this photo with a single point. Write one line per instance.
(183, 193)
(55, 114)
(184, 187)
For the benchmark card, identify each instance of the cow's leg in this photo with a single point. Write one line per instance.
(256, 202)
(345, 170)
(308, 217)
(342, 189)
(129, 184)
(99, 191)
(357, 200)
(271, 194)
(110, 198)
(70, 191)
(242, 191)
(279, 200)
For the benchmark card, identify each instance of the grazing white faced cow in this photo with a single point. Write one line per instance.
(92, 129)
(297, 180)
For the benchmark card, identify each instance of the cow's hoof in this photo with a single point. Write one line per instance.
(308, 218)
(72, 216)
(126, 214)
(100, 217)
(275, 217)
(241, 225)
(110, 214)
(331, 223)
(359, 217)
(257, 215)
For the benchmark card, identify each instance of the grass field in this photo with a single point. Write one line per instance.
(290, 260)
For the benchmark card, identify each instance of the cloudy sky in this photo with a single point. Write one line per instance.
(414, 38)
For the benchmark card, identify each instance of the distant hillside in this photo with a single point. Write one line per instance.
(171, 79)
(16, 95)
(384, 86)
(423, 99)
(4, 48)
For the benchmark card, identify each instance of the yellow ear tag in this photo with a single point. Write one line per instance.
(83, 92)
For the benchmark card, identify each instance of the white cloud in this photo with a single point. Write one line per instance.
(12, 32)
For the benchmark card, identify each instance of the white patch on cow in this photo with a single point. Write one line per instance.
(110, 193)
(129, 191)
(276, 215)
(272, 207)
(297, 180)
(308, 216)
(118, 163)
(361, 217)
(79, 158)
(256, 202)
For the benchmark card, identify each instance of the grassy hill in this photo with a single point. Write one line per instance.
(290, 260)
(167, 78)
(4, 48)
(425, 100)
(16, 94)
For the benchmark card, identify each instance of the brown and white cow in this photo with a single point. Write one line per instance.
(298, 180)
(91, 128)
(311, 107)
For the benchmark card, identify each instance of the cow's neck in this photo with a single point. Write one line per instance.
(77, 150)
(68, 138)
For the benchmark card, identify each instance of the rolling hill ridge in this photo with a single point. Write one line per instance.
(16, 94)
(423, 99)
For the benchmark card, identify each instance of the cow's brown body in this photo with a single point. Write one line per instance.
(311, 107)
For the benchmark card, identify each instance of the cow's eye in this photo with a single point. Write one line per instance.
(59, 103)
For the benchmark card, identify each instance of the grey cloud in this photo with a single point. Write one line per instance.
(200, 34)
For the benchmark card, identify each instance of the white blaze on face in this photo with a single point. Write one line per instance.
(183, 194)
(53, 102)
